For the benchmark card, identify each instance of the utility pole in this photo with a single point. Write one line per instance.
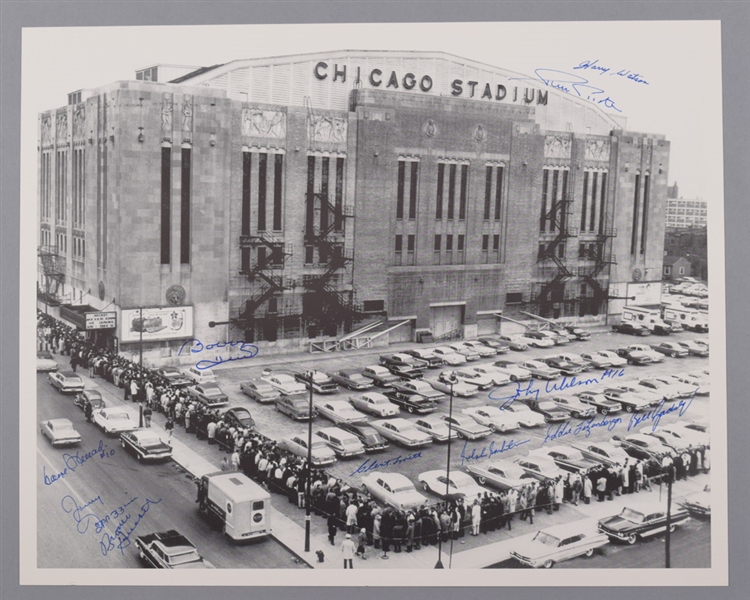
(668, 540)
(452, 379)
(309, 472)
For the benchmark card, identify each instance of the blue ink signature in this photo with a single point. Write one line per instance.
(657, 413)
(70, 505)
(375, 464)
(571, 83)
(196, 347)
(627, 73)
(490, 450)
(118, 512)
(555, 432)
(73, 461)
(521, 392)
(121, 537)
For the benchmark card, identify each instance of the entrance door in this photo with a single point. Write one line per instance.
(444, 319)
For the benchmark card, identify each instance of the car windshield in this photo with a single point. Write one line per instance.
(149, 441)
(117, 415)
(351, 443)
(632, 515)
(547, 405)
(546, 539)
(318, 445)
(373, 438)
(184, 557)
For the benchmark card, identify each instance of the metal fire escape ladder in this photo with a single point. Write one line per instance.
(559, 216)
(274, 254)
(603, 258)
(54, 272)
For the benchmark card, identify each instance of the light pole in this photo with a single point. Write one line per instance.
(309, 471)
(452, 379)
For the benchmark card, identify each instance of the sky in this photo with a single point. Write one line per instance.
(675, 88)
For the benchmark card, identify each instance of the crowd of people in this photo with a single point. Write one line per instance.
(347, 509)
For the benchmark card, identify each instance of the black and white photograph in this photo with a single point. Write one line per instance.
(374, 297)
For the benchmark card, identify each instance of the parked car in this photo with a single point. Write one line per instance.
(285, 384)
(435, 427)
(557, 340)
(635, 357)
(699, 503)
(482, 349)
(526, 417)
(673, 349)
(175, 377)
(449, 357)
(145, 444)
(694, 349)
(432, 359)
(60, 432)
(413, 403)
(465, 427)
(209, 394)
(684, 390)
(469, 353)
(421, 387)
(238, 417)
(200, 375)
(370, 438)
(515, 342)
(460, 388)
(641, 521)
(645, 348)
(667, 391)
(497, 375)
(603, 359)
(628, 400)
(320, 382)
(688, 435)
(380, 376)
(540, 370)
(573, 406)
(642, 446)
(260, 391)
(402, 432)
(406, 372)
(494, 342)
(514, 371)
(343, 443)
(557, 544)
(339, 411)
(702, 386)
(567, 458)
(650, 396)
(603, 452)
(297, 407)
(402, 360)
(492, 417)
(114, 420)
(536, 341)
(541, 468)
(483, 382)
(393, 489)
(352, 379)
(676, 444)
(631, 328)
(45, 362)
(321, 453)
(551, 412)
(563, 365)
(93, 396)
(576, 359)
(170, 550)
(66, 382)
(376, 404)
(578, 333)
(599, 401)
(450, 487)
(500, 474)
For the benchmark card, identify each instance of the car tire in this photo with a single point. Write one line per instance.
(425, 487)
(589, 553)
(605, 412)
(548, 564)
(632, 539)
(629, 409)
(673, 355)
(482, 480)
(672, 528)
(493, 429)
(460, 435)
(411, 409)
(513, 378)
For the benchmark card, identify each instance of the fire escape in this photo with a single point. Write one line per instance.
(262, 307)
(603, 258)
(53, 269)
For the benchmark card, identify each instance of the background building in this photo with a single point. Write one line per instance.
(690, 243)
(294, 199)
(682, 212)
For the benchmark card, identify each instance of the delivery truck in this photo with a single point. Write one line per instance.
(689, 318)
(648, 316)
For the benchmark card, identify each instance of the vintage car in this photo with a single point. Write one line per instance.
(432, 359)
(465, 427)
(494, 342)
(469, 353)
(209, 394)
(170, 550)
(458, 484)
(525, 416)
(201, 375)
(567, 458)
(684, 390)
(321, 453)
(66, 382)
(297, 407)
(500, 474)
(402, 432)
(675, 442)
(628, 400)
(603, 452)
(393, 489)
(694, 349)
(642, 446)
(635, 357)
(370, 438)
(483, 350)
(483, 382)
(380, 376)
(60, 432)
(515, 342)
(402, 360)
(320, 382)
(535, 341)
(114, 420)
(343, 443)
(406, 371)
(492, 417)
(563, 365)
(285, 384)
(260, 391)
(631, 328)
(702, 385)
(413, 403)
(641, 521)
(576, 359)
(672, 349)
(376, 404)
(352, 379)
(600, 402)
(578, 333)
(699, 503)
(541, 468)
(448, 356)
(556, 338)
(650, 396)
(668, 391)
(573, 406)
(514, 370)
(93, 396)
(459, 388)
(175, 377)
(423, 388)
(657, 357)
(604, 359)
(540, 370)
(238, 417)
(551, 412)
(497, 375)
(558, 543)
(45, 362)
(684, 432)
(145, 444)
(434, 426)
(339, 411)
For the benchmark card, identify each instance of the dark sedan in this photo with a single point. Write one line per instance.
(564, 366)
(371, 439)
(260, 391)
(175, 377)
(296, 407)
(238, 416)
(673, 349)
(352, 379)
(552, 413)
(94, 397)
(642, 521)
(209, 394)
(495, 343)
(600, 402)
(413, 403)
(578, 333)
(145, 444)
(631, 329)
(567, 458)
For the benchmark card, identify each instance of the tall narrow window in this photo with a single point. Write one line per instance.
(594, 182)
(601, 202)
(584, 200)
(636, 202)
(400, 189)
(487, 192)
(324, 200)
(564, 202)
(499, 193)
(413, 190)
(451, 190)
(554, 204)
(543, 216)
(166, 187)
(310, 216)
(185, 206)
(278, 170)
(410, 245)
(245, 222)
(440, 182)
(399, 248)
(262, 185)
(644, 223)
(339, 219)
(464, 192)
(460, 248)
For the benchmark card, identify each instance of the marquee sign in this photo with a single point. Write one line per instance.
(101, 320)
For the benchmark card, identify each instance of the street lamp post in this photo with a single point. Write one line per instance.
(452, 380)
(309, 472)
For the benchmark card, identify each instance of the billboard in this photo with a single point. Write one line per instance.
(151, 324)
(101, 320)
(645, 293)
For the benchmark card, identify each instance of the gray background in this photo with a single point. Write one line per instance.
(735, 18)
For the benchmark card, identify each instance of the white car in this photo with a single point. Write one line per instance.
(393, 489)
(558, 543)
(450, 357)
(604, 359)
(466, 427)
(466, 351)
(498, 376)
(45, 362)
(483, 382)
(701, 384)
(339, 411)
(492, 417)
(201, 375)
(483, 350)
(514, 370)
(421, 387)
(516, 342)
(536, 343)
(114, 420)
(375, 404)
(683, 435)
(60, 432)
(655, 356)
(402, 432)
(285, 384)
(574, 406)
(650, 396)
(501, 474)
(525, 416)
(684, 390)
(460, 388)
(435, 427)
(320, 453)
(458, 484)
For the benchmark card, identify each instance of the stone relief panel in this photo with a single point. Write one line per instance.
(79, 121)
(647, 148)
(166, 114)
(61, 126)
(187, 113)
(597, 150)
(47, 130)
(263, 123)
(325, 128)
(557, 146)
